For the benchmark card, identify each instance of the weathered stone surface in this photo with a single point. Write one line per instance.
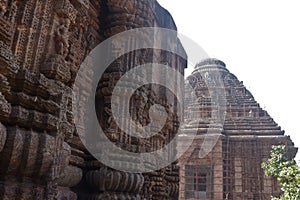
(108, 180)
(70, 177)
(3, 136)
(29, 154)
(42, 45)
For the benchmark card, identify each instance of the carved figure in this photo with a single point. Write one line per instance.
(3, 6)
(62, 37)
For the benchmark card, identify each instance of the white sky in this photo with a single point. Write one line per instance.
(259, 40)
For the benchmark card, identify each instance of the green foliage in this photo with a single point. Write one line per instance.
(286, 171)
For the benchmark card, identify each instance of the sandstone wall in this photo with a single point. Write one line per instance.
(42, 44)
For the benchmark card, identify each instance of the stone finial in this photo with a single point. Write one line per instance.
(210, 62)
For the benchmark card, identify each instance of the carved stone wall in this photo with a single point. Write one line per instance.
(42, 44)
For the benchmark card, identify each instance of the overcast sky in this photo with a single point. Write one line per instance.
(259, 40)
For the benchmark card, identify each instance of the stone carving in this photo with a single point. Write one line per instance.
(66, 9)
(30, 164)
(5, 107)
(3, 6)
(108, 180)
(62, 37)
(42, 44)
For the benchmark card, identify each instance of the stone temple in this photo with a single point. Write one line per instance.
(42, 46)
(237, 144)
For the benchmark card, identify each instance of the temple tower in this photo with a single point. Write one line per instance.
(236, 144)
